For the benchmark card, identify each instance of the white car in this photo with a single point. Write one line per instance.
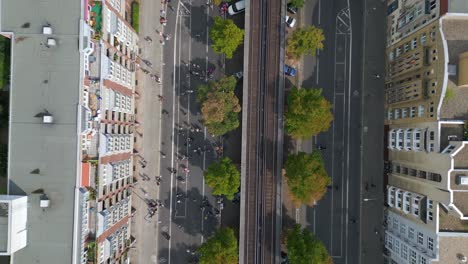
(236, 8)
(290, 21)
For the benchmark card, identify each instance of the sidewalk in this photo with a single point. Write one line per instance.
(147, 137)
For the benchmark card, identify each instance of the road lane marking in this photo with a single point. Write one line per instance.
(349, 120)
(319, 12)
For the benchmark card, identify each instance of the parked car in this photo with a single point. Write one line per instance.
(290, 21)
(288, 70)
(236, 8)
(292, 9)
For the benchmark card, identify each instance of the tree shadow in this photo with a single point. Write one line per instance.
(188, 209)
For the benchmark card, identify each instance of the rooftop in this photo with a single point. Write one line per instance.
(449, 221)
(451, 248)
(44, 78)
(449, 132)
(455, 32)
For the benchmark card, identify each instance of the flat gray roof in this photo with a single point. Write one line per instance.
(457, 6)
(44, 78)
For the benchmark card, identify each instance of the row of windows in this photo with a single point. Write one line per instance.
(417, 173)
(402, 250)
(410, 45)
(407, 139)
(409, 112)
(409, 234)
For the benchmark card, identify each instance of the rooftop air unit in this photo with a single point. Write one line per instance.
(47, 119)
(47, 30)
(51, 42)
(45, 202)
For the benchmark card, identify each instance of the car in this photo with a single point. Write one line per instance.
(288, 70)
(290, 21)
(292, 9)
(236, 8)
(239, 75)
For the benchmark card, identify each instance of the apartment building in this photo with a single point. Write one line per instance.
(426, 114)
(404, 17)
(107, 144)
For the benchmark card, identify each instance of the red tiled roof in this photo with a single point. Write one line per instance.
(86, 81)
(113, 228)
(117, 87)
(115, 157)
(85, 173)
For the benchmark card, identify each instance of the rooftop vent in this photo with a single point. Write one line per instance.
(47, 119)
(51, 42)
(452, 70)
(45, 202)
(47, 30)
(462, 258)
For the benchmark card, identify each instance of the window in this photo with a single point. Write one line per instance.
(423, 39)
(431, 147)
(420, 238)
(404, 112)
(411, 233)
(420, 110)
(395, 224)
(390, 242)
(398, 51)
(413, 111)
(407, 46)
(391, 55)
(419, 10)
(430, 243)
(414, 43)
(413, 256)
(422, 260)
(396, 246)
(404, 251)
(431, 135)
(429, 204)
(397, 113)
(403, 229)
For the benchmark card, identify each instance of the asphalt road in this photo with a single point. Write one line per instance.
(338, 70)
(187, 148)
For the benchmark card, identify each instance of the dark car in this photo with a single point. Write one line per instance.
(288, 70)
(292, 9)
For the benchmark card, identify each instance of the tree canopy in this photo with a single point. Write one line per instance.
(223, 177)
(225, 36)
(219, 105)
(305, 41)
(308, 113)
(297, 3)
(304, 248)
(222, 248)
(306, 177)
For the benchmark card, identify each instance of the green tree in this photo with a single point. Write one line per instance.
(222, 248)
(219, 105)
(225, 36)
(308, 113)
(306, 177)
(304, 248)
(305, 41)
(297, 3)
(223, 177)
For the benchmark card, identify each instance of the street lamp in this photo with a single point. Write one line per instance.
(369, 199)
